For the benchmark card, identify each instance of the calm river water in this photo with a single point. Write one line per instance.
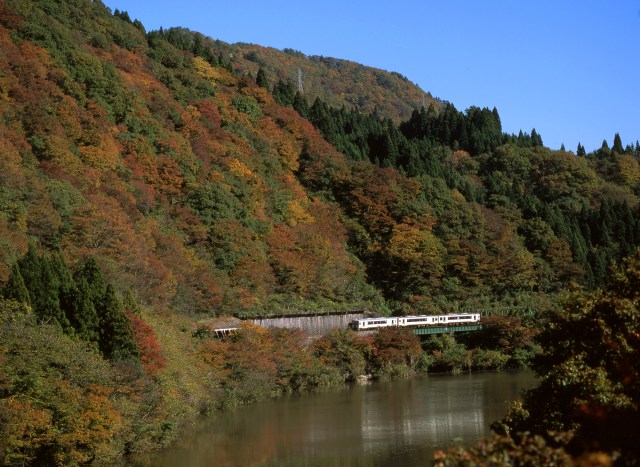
(396, 423)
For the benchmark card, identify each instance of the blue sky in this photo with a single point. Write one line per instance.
(570, 69)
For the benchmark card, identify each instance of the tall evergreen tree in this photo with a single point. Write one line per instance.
(521, 140)
(536, 139)
(321, 117)
(284, 92)
(617, 144)
(47, 305)
(261, 79)
(42, 282)
(62, 273)
(15, 288)
(496, 117)
(116, 334)
(30, 269)
(301, 105)
(604, 150)
(82, 312)
(581, 151)
(92, 274)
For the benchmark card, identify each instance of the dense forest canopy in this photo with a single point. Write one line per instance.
(152, 179)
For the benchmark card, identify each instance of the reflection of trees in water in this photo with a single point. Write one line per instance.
(431, 412)
(400, 421)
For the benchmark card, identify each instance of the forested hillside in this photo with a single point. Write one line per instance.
(150, 180)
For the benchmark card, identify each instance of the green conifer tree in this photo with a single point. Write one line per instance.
(604, 150)
(496, 117)
(92, 274)
(30, 267)
(42, 282)
(536, 139)
(116, 335)
(284, 93)
(62, 273)
(82, 312)
(15, 288)
(47, 304)
(617, 144)
(261, 79)
(301, 105)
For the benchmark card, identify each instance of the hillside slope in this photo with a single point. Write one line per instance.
(178, 175)
(197, 192)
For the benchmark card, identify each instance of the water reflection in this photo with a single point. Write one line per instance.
(398, 423)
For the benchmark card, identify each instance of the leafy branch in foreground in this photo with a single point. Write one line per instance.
(587, 402)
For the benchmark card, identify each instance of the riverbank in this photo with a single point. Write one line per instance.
(143, 408)
(256, 363)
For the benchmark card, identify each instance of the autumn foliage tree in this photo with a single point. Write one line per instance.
(151, 356)
(395, 350)
(344, 352)
(589, 372)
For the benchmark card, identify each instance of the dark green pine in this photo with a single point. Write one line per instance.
(30, 269)
(261, 79)
(48, 302)
(62, 274)
(301, 105)
(42, 284)
(536, 139)
(82, 312)
(15, 288)
(92, 274)
(284, 93)
(617, 144)
(116, 334)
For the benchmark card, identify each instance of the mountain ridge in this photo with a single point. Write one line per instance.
(336, 81)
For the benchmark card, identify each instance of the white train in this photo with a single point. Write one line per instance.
(451, 319)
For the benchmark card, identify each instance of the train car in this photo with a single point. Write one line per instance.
(450, 319)
(462, 318)
(372, 323)
(422, 320)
